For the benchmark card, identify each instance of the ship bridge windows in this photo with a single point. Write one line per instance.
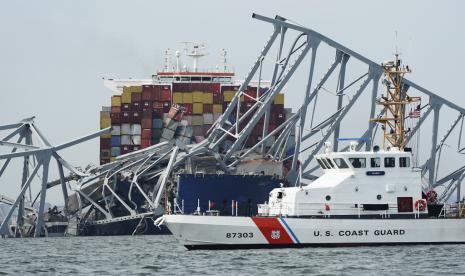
(330, 163)
(340, 163)
(323, 166)
(389, 162)
(375, 162)
(358, 163)
(404, 162)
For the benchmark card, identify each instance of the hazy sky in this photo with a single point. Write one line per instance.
(53, 54)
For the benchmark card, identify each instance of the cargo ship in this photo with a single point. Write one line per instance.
(178, 104)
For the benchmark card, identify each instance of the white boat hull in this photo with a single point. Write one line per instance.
(216, 232)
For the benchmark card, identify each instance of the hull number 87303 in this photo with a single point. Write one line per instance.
(239, 235)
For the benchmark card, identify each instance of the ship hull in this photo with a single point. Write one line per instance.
(216, 232)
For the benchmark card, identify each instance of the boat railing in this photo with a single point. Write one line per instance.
(324, 209)
(450, 210)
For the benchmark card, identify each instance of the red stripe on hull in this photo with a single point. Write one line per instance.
(272, 230)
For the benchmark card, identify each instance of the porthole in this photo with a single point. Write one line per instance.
(328, 198)
(356, 189)
(379, 197)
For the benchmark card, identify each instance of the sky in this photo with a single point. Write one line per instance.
(54, 54)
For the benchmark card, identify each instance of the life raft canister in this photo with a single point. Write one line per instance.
(431, 196)
(420, 205)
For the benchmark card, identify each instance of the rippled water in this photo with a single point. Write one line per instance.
(149, 255)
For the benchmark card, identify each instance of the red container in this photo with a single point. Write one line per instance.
(115, 118)
(147, 88)
(136, 97)
(146, 122)
(126, 107)
(116, 109)
(277, 108)
(207, 108)
(136, 106)
(180, 87)
(156, 93)
(136, 117)
(157, 113)
(105, 143)
(145, 143)
(215, 88)
(189, 108)
(146, 133)
(147, 114)
(157, 105)
(146, 105)
(146, 95)
(165, 96)
(217, 98)
(251, 95)
(126, 117)
(125, 149)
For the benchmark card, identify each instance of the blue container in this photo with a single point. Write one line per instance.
(115, 141)
(157, 123)
(115, 151)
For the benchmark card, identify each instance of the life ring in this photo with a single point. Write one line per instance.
(327, 207)
(420, 205)
(431, 196)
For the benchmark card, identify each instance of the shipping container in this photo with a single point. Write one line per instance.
(208, 118)
(136, 117)
(125, 140)
(105, 143)
(136, 106)
(115, 100)
(207, 108)
(126, 97)
(126, 117)
(145, 143)
(197, 108)
(136, 129)
(115, 151)
(187, 97)
(135, 140)
(115, 118)
(197, 120)
(126, 107)
(177, 98)
(146, 122)
(157, 123)
(115, 141)
(165, 96)
(115, 130)
(279, 99)
(217, 108)
(125, 129)
(105, 154)
(146, 133)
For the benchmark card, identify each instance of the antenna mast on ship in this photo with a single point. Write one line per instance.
(394, 101)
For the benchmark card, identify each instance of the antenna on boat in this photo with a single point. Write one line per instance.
(394, 102)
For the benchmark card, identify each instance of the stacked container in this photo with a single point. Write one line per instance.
(145, 115)
(105, 139)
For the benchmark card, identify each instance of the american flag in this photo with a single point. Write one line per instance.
(414, 113)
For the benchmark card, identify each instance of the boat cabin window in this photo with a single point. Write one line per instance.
(358, 162)
(321, 163)
(389, 162)
(404, 162)
(280, 195)
(375, 162)
(340, 163)
(330, 163)
(326, 163)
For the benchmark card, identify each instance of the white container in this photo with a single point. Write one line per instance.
(135, 140)
(215, 117)
(125, 129)
(115, 130)
(208, 119)
(126, 140)
(136, 129)
(167, 134)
